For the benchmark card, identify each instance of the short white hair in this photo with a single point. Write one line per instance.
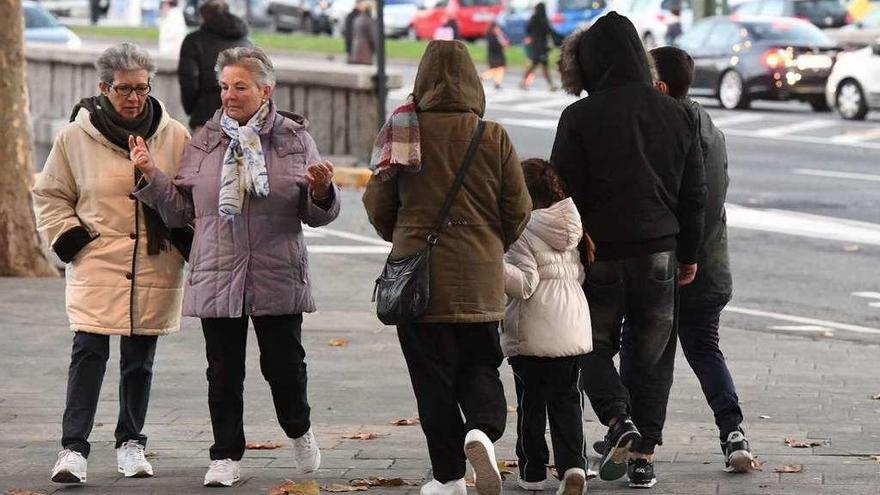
(251, 58)
(123, 57)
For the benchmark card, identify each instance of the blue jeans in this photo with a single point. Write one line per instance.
(698, 333)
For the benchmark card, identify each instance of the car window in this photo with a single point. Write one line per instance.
(774, 8)
(812, 9)
(37, 17)
(724, 36)
(581, 4)
(695, 37)
(788, 31)
(479, 3)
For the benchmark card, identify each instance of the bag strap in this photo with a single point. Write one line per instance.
(459, 180)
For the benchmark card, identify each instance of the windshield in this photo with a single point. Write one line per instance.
(581, 4)
(795, 32)
(818, 8)
(37, 17)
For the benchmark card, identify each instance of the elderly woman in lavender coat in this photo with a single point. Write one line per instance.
(249, 180)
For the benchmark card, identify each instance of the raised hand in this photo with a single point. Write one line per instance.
(140, 156)
(320, 178)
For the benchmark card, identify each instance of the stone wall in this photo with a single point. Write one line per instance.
(339, 100)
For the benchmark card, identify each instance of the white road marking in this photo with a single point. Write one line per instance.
(857, 136)
(794, 128)
(874, 304)
(533, 123)
(814, 140)
(803, 225)
(737, 119)
(806, 321)
(348, 235)
(833, 174)
(800, 328)
(867, 295)
(313, 234)
(348, 249)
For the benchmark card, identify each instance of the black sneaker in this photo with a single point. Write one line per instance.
(620, 439)
(640, 473)
(737, 454)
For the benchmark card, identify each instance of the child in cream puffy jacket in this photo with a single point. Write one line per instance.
(546, 331)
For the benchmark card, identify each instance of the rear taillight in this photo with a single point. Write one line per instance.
(849, 19)
(776, 59)
(802, 17)
(661, 17)
(558, 18)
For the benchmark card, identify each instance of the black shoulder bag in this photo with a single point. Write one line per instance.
(403, 290)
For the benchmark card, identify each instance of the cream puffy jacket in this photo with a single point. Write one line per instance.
(547, 313)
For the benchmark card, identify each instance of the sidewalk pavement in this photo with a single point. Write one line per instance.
(791, 387)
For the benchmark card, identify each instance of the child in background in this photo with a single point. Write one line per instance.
(546, 331)
(496, 42)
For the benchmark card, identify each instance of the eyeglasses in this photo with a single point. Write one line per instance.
(125, 90)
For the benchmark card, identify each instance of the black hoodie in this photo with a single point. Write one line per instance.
(629, 155)
(199, 90)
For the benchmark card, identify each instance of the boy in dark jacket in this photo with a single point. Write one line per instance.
(199, 90)
(702, 301)
(631, 159)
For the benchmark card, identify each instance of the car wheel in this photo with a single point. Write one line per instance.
(731, 91)
(850, 98)
(648, 41)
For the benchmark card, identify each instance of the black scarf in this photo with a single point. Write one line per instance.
(116, 129)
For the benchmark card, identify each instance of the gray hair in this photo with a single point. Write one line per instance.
(124, 56)
(251, 58)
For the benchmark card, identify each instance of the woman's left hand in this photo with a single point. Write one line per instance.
(320, 179)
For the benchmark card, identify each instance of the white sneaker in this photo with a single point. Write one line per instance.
(454, 487)
(307, 453)
(481, 453)
(223, 472)
(70, 467)
(574, 482)
(532, 486)
(131, 461)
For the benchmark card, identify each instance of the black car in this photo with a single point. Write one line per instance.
(740, 59)
(822, 13)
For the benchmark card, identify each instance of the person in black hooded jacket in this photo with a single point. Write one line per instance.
(199, 90)
(631, 159)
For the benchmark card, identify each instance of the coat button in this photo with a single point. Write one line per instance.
(132, 236)
(131, 196)
(128, 276)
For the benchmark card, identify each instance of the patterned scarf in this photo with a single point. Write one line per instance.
(397, 145)
(244, 165)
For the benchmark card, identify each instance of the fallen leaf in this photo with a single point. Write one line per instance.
(470, 482)
(757, 464)
(875, 457)
(764, 416)
(20, 491)
(263, 445)
(511, 409)
(405, 422)
(338, 342)
(790, 468)
(876, 397)
(800, 444)
(852, 248)
(361, 436)
(337, 488)
(507, 464)
(290, 487)
(374, 481)
(151, 455)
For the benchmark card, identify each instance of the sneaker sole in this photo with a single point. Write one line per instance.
(222, 484)
(740, 462)
(312, 470)
(614, 464)
(488, 480)
(643, 485)
(68, 477)
(136, 474)
(574, 486)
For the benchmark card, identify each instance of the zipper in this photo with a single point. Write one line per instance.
(137, 238)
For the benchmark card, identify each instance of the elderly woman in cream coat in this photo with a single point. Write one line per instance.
(124, 277)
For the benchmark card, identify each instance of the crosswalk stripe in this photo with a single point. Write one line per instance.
(833, 174)
(808, 125)
(857, 136)
(737, 119)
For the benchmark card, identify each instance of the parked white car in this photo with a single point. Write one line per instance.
(854, 85)
(652, 18)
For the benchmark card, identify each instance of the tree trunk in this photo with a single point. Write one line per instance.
(21, 253)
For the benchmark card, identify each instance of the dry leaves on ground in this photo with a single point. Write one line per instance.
(470, 482)
(852, 248)
(511, 409)
(338, 342)
(337, 488)
(790, 468)
(290, 487)
(361, 436)
(757, 464)
(800, 444)
(374, 481)
(405, 422)
(20, 491)
(764, 416)
(876, 397)
(875, 457)
(263, 445)
(504, 467)
(151, 455)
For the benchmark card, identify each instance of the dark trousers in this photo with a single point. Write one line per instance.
(548, 388)
(632, 308)
(454, 370)
(698, 333)
(88, 362)
(282, 362)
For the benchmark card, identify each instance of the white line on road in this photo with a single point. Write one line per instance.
(867, 295)
(800, 328)
(350, 236)
(737, 119)
(807, 125)
(857, 136)
(807, 321)
(325, 249)
(533, 123)
(836, 175)
(803, 225)
(800, 139)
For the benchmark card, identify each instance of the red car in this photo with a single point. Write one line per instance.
(470, 19)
